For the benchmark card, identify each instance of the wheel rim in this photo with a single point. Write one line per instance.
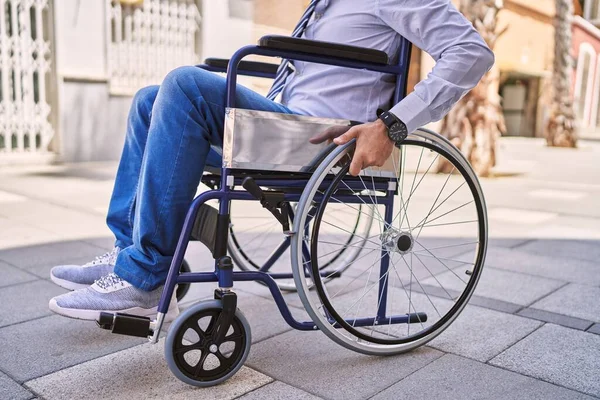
(197, 357)
(376, 338)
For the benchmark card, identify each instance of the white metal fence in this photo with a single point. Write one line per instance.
(24, 67)
(149, 40)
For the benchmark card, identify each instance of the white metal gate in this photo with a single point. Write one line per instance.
(24, 68)
(149, 40)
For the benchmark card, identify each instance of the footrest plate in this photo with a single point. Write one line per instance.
(125, 324)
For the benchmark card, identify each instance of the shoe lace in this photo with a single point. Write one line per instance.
(109, 280)
(109, 257)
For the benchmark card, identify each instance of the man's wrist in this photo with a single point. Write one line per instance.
(383, 128)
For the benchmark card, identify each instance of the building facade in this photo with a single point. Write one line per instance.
(69, 68)
(586, 72)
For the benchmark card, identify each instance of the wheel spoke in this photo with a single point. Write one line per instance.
(436, 199)
(345, 230)
(418, 283)
(200, 366)
(185, 348)
(444, 214)
(433, 276)
(354, 279)
(447, 247)
(421, 180)
(449, 269)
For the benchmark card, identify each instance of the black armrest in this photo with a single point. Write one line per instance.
(353, 53)
(250, 66)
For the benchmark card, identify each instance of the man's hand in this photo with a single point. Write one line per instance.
(373, 145)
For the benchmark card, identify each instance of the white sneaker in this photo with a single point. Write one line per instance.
(75, 277)
(111, 294)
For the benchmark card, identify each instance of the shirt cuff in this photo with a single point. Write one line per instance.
(413, 111)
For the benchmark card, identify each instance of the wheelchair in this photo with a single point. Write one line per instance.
(382, 262)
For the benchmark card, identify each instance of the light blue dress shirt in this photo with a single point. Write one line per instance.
(436, 26)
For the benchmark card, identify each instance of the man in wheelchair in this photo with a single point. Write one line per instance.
(171, 129)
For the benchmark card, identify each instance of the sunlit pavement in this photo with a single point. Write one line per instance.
(531, 331)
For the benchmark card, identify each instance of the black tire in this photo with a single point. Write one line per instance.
(188, 323)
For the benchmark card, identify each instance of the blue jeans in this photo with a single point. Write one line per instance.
(170, 131)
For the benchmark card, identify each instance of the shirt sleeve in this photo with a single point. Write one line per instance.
(462, 56)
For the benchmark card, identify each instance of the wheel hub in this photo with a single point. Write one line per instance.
(396, 241)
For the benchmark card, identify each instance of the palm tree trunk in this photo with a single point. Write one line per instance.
(561, 129)
(476, 122)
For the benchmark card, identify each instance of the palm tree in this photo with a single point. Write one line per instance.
(561, 129)
(476, 122)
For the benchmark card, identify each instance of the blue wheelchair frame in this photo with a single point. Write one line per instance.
(225, 276)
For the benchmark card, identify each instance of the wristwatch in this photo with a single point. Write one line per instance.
(397, 130)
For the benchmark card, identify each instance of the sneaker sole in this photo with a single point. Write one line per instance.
(93, 315)
(63, 283)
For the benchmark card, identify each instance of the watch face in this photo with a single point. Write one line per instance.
(398, 132)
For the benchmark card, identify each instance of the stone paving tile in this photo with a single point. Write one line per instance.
(569, 227)
(106, 242)
(35, 348)
(11, 390)
(43, 270)
(573, 300)
(595, 329)
(502, 285)
(519, 216)
(451, 377)
(481, 334)
(498, 305)
(314, 363)
(506, 242)
(263, 316)
(7, 197)
(559, 355)
(49, 253)
(558, 319)
(65, 223)
(278, 391)
(580, 249)
(560, 268)
(26, 301)
(137, 373)
(10, 275)
(16, 234)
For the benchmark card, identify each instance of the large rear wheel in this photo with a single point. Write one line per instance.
(421, 260)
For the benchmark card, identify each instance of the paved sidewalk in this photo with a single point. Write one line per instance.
(532, 330)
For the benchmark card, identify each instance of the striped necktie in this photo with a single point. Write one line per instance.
(285, 69)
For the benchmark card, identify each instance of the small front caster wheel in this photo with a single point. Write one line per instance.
(194, 357)
(182, 288)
